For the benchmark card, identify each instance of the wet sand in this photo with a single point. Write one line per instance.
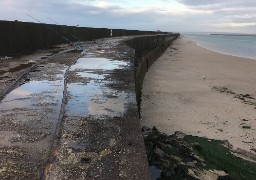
(202, 93)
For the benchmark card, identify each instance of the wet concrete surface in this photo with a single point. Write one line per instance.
(88, 91)
(28, 113)
(70, 113)
(12, 69)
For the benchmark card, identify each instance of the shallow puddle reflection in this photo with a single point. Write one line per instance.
(94, 97)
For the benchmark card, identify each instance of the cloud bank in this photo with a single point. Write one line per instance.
(167, 15)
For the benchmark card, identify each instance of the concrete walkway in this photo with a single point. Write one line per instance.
(71, 113)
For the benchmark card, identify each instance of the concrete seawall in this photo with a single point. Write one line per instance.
(22, 37)
(100, 142)
(147, 50)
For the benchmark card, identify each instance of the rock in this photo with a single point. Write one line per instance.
(192, 164)
(146, 131)
(179, 135)
(181, 169)
(159, 152)
(246, 153)
(192, 173)
(196, 157)
(167, 173)
(227, 144)
(246, 127)
(154, 129)
(168, 146)
(253, 149)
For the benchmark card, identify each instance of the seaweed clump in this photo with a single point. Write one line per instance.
(181, 156)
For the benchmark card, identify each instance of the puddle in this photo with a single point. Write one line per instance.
(111, 106)
(90, 74)
(95, 98)
(31, 97)
(32, 89)
(34, 104)
(29, 113)
(98, 63)
(155, 172)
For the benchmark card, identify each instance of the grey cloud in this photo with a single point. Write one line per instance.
(218, 3)
(244, 19)
(93, 16)
(225, 12)
(200, 2)
(70, 13)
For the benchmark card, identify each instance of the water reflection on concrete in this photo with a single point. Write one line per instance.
(155, 172)
(30, 93)
(98, 63)
(28, 115)
(95, 98)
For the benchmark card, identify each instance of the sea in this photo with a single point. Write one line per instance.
(231, 44)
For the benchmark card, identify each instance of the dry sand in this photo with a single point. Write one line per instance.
(179, 94)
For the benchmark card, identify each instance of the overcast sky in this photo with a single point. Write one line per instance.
(167, 15)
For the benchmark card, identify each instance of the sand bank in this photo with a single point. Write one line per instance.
(202, 93)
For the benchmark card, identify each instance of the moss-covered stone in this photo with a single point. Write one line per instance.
(181, 155)
(219, 157)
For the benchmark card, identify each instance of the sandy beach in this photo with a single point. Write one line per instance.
(202, 93)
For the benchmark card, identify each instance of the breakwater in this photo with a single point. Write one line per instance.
(92, 128)
(23, 37)
(147, 50)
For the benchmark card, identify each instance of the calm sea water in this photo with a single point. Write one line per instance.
(242, 46)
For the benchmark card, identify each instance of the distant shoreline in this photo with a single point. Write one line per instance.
(233, 34)
(230, 48)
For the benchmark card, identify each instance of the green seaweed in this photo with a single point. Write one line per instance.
(217, 156)
(170, 146)
(180, 152)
